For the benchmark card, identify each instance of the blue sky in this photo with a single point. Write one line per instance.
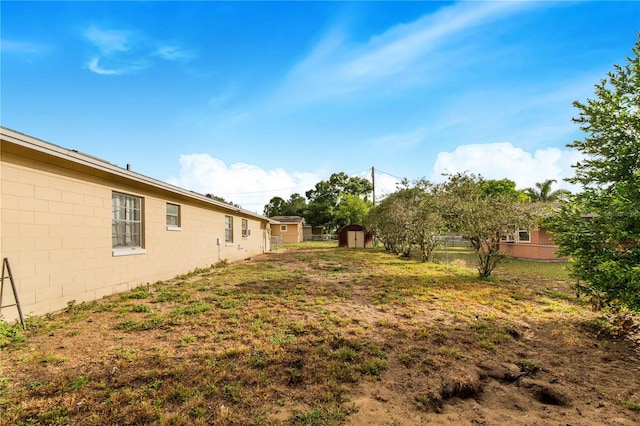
(248, 100)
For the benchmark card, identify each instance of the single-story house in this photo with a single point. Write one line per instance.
(354, 236)
(290, 228)
(77, 228)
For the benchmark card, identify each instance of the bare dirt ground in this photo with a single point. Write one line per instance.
(323, 336)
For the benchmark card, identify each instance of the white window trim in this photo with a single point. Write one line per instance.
(518, 236)
(228, 242)
(128, 251)
(178, 217)
(245, 229)
(283, 228)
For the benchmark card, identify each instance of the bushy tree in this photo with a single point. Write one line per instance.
(387, 222)
(351, 209)
(326, 196)
(275, 207)
(296, 205)
(410, 217)
(599, 228)
(505, 187)
(482, 216)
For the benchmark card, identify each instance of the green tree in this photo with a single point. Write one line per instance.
(327, 194)
(275, 207)
(351, 209)
(296, 205)
(389, 220)
(505, 187)
(599, 228)
(410, 217)
(482, 217)
(543, 193)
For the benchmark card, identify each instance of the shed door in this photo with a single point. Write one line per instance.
(355, 239)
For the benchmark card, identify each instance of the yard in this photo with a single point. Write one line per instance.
(315, 335)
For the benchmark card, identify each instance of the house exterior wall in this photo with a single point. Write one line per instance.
(293, 234)
(55, 230)
(540, 247)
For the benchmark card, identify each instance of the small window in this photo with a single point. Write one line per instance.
(509, 238)
(524, 236)
(245, 228)
(283, 228)
(228, 229)
(173, 217)
(126, 224)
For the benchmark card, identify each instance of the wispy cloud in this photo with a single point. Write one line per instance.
(22, 47)
(95, 67)
(172, 53)
(125, 51)
(109, 41)
(403, 54)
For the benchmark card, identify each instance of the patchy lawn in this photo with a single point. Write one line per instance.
(316, 335)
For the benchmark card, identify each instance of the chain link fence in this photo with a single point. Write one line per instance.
(521, 262)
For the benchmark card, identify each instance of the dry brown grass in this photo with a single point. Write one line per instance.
(316, 335)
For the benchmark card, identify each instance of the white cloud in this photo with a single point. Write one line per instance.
(503, 160)
(251, 186)
(245, 184)
(172, 53)
(399, 56)
(95, 67)
(127, 51)
(108, 41)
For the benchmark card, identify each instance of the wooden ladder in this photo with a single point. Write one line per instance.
(6, 273)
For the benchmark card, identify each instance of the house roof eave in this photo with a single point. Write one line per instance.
(87, 160)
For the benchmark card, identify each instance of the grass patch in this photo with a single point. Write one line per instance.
(297, 333)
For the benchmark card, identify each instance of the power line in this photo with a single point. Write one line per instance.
(389, 174)
(265, 191)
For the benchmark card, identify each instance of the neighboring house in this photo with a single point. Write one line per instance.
(535, 244)
(354, 236)
(76, 228)
(307, 232)
(290, 228)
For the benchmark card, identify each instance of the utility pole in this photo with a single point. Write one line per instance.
(373, 184)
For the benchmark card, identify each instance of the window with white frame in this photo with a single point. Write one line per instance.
(517, 236)
(126, 221)
(173, 216)
(245, 228)
(283, 228)
(523, 236)
(228, 229)
(508, 238)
